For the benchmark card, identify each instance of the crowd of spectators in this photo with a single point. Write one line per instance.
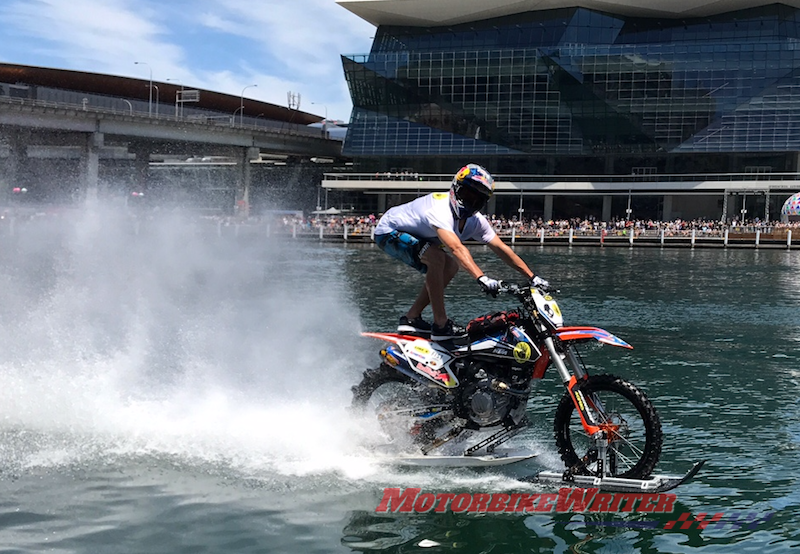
(363, 224)
(353, 225)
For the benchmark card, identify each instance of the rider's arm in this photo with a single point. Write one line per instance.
(460, 252)
(505, 253)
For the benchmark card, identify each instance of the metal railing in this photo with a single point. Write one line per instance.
(14, 223)
(771, 236)
(537, 178)
(206, 119)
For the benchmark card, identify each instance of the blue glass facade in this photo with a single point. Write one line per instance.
(566, 90)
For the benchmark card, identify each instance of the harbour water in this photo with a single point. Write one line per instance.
(179, 391)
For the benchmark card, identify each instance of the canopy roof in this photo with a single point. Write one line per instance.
(428, 13)
(127, 87)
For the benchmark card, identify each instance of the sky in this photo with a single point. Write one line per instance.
(280, 46)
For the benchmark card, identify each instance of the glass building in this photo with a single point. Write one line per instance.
(576, 91)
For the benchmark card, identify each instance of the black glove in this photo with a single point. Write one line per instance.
(489, 286)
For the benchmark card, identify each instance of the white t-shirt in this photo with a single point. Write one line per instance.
(421, 217)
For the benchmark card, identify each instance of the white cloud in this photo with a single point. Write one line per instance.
(92, 31)
(280, 45)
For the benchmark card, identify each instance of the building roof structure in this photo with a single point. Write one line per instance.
(424, 13)
(127, 87)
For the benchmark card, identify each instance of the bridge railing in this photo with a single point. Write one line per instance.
(206, 118)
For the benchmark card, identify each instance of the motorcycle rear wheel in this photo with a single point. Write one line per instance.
(636, 438)
(371, 380)
(400, 404)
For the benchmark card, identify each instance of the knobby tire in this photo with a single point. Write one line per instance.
(371, 380)
(566, 412)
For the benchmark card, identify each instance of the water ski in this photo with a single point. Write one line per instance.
(655, 484)
(500, 457)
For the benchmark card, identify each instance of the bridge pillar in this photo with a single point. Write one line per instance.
(548, 207)
(141, 167)
(667, 211)
(606, 215)
(381, 202)
(245, 180)
(16, 164)
(90, 165)
(491, 207)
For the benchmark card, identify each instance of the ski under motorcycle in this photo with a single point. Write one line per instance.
(456, 402)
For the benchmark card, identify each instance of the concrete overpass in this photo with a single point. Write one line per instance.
(31, 128)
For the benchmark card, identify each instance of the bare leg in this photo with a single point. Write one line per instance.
(441, 269)
(419, 304)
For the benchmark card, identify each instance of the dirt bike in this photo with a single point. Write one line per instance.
(459, 400)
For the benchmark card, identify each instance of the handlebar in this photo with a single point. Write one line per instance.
(509, 288)
(518, 290)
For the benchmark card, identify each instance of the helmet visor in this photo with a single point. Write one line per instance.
(473, 200)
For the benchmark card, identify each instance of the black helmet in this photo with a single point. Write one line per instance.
(471, 189)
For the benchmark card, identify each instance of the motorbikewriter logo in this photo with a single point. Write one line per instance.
(566, 500)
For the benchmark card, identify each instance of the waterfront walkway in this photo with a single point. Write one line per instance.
(360, 229)
(668, 234)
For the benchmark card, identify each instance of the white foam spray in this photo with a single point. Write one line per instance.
(156, 340)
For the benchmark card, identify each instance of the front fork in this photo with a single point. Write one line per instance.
(572, 379)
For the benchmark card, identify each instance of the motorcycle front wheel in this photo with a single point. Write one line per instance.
(629, 418)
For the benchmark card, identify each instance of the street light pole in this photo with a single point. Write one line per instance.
(744, 207)
(241, 104)
(158, 94)
(628, 211)
(150, 101)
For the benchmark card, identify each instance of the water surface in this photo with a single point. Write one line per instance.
(173, 391)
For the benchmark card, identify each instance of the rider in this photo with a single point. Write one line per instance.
(417, 232)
